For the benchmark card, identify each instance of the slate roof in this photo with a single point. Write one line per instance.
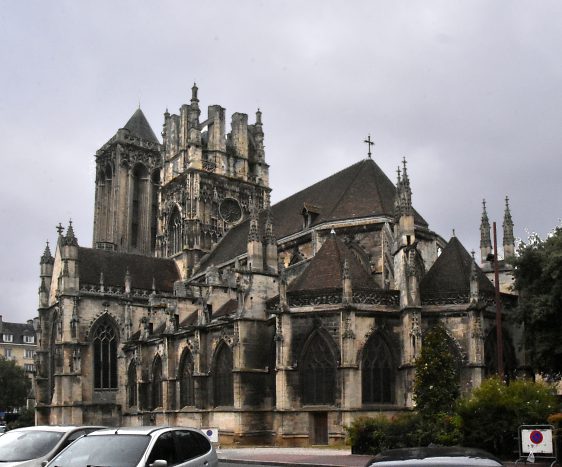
(325, 270)
(451, 272)
(17, 330)
(138, 125)
(115, 265)
(358, 191)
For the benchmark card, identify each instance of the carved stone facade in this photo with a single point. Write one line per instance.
(200, 304)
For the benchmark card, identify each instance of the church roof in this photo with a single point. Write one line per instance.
(358, 191)
(138, 125)
(451, 272)
(325, 270)
(144, 270)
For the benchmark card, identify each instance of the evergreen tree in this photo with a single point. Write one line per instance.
(14, 385)
(436, 386)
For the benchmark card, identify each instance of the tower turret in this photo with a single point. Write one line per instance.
(255, 246)
(46, 275)
(404, 212)
(508, 239)
(271, 258)
(485, 239)
(69, 257)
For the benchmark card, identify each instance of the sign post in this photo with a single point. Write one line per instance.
(536, 443)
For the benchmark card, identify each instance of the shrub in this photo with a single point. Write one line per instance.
(492, 414)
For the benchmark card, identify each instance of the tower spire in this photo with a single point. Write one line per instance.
(485, 239)
(508, 239)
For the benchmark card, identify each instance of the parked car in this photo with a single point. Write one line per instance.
(140, 446)
(442, 456)
(30, 446)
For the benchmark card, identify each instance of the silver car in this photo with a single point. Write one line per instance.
(442, 456)
(34, 445)
(140, 446)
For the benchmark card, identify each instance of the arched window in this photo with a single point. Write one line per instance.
(104, 339)
(132, 384)
(377, 372)
(187, 389)
(174, 232)
(154, 209)
(157, 383)
(139, 203)
(222, 379)
(318, 373)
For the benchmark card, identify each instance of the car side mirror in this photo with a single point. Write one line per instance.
(159, 463)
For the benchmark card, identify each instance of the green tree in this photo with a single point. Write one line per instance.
(538, 278)
(436, 386)
(493, 412)
(14, 385)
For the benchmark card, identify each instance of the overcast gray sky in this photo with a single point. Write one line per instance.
(470, 92)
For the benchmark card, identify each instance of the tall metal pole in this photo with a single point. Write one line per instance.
(499, 334)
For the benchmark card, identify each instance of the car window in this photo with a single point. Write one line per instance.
(70, 438)
(25, 445)
(188, 445)
(106, 450)
(163, 449)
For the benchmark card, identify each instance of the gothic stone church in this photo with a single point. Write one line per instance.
(201, 304)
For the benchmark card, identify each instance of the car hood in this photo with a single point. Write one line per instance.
(29, 463)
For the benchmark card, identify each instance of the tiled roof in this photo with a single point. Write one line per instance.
(325, 270)
(361, 190)
(142, 269)
(138, 125)
(451, 272)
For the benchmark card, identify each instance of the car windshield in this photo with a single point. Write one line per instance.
(109, 450)
(18, 446)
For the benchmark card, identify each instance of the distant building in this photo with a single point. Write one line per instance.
(202, 304)
(18, 343)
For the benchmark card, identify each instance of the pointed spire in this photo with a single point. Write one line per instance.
(138, 126)
(70, 238)
(508, 238)
(507, 224)
(485, 238)
(258, 117)
(269, 236)
(47, 257)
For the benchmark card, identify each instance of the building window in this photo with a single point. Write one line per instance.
(187, 390)
(105, 356)
(30, 368)
(28, 339)
(377, 372)
(222, 380)
(318, 373)
(8, 338)
(8, 352)
(157, 383)
(132, 385)
(29, 353)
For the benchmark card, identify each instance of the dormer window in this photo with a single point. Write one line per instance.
(309, 214)
(28, 339)
(8, 338)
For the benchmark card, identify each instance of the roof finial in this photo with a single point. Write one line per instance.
(454, 234)
(370, 143)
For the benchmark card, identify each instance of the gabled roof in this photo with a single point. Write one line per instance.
(361, 190)
(138, 125)
(325, 270)
(142, 269)
(451, 272)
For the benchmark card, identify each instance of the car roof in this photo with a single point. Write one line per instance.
(139, 430)
(407, 456)
(58, 428)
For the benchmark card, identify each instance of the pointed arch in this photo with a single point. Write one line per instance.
(185, 376)
(157, 400)
(104, 336)
(317, 370)
(378, 371)
(174, 232)
(132, 384)
(223, 390)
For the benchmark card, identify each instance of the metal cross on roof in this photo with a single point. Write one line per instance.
(370, 143)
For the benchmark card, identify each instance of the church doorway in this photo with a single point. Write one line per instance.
(319, 428)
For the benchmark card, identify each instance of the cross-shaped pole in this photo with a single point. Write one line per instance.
(370, 143)
(60, 228)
